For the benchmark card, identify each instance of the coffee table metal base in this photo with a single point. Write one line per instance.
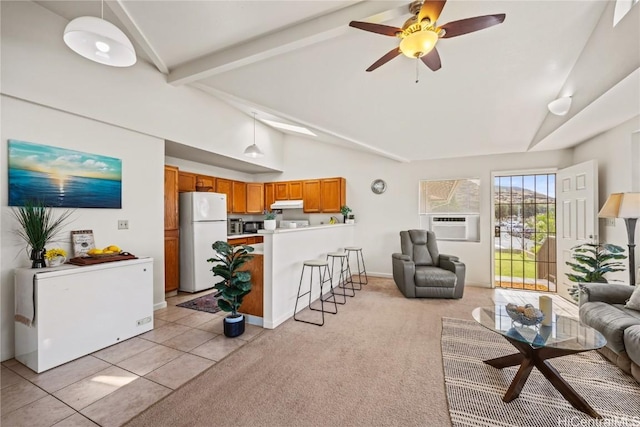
(530, 357)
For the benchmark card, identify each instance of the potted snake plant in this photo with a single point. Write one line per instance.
(38, 226)
(235, 283)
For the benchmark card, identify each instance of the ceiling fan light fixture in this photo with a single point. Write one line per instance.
(253, 150)
(100, 41)
(418, 44)
(560, 106)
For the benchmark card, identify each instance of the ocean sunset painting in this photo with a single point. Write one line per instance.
(59, 177)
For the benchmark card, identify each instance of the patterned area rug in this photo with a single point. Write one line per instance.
(475, 389)
(208, 303)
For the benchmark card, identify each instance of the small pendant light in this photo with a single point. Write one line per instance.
(253, 150)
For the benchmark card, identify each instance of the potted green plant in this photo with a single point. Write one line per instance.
(269, 220)
(592, 262)
(235, 283)
(344, 210)
(38, 226)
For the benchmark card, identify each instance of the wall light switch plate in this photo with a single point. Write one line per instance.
(123, 224)
(610, 222)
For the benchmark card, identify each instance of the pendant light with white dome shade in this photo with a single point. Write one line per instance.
(100, 41)
(253, 150)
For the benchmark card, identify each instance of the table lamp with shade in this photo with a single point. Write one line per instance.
(627, 206)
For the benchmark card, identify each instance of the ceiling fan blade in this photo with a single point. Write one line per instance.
(431, 9)
(375, 28)
(469, 25)
(386, 58)
(432, 60)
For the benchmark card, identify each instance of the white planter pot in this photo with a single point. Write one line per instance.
(269, 224)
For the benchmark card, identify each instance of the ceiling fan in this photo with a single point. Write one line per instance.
(420, 33)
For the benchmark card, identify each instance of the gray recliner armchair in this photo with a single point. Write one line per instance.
(421, 271)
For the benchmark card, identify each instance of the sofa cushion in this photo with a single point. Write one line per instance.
(609, 320)
(434, 276)
(634, 301)
(632, 343)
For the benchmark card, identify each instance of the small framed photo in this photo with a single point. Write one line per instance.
(82, 241)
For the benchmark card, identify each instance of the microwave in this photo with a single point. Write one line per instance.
(253, 226)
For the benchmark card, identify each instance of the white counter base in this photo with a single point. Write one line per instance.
(284, 252)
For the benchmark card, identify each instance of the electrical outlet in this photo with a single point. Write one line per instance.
(123, 224)
(610, 222)
(143, 321)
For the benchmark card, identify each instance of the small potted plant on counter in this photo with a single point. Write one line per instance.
(269, 220)
(345, 210)
(55, 257)
(235, 284)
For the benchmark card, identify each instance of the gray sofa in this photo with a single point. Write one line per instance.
(421, 271)
(602, 306)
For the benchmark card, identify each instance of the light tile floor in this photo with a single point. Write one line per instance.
(110, 386)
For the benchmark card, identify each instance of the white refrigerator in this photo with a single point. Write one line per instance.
(203, 220)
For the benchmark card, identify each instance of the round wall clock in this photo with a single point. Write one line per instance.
(378, 186)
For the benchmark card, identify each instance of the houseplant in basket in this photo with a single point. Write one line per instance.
(592, 262)
(235, 284)
(38, 226)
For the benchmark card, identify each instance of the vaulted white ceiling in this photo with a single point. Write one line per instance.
(299, 61)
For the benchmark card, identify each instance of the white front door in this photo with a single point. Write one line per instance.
(577, 215)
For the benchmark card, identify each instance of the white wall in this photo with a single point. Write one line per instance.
(38, 66)
(380, 218)
(142, 194)
(194, 167)
(618, 154)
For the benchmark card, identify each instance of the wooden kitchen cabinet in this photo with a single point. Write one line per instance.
(254, 240)
(255, 198)
(281, 190)
(311, 196)
(269, 195)
(239, 241)
(186, 181)
(288, 190)
(333, 194)
(171, 198)
(171, 260)
(295, 190)
(239, 199)
(204, 181)
(225, 186)
(253, 302)
(171, 229)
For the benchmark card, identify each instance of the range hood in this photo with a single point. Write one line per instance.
(287, 204)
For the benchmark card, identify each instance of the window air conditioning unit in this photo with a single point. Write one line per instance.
(464, 228)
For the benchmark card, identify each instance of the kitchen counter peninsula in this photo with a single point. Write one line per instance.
(284, 252)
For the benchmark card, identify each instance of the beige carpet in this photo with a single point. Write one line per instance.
(377, 362)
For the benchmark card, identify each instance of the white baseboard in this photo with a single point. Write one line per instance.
(159, 305)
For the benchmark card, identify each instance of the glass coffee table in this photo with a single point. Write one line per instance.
(535, 345)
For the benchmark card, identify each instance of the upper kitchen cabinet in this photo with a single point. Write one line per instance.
(255, 198)
(239, 199)
(225, 186)
(311, 196)
(288, 190)
(269, 195)
(186, 181)
(205, 183)
(333, 194)
(171, 198)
